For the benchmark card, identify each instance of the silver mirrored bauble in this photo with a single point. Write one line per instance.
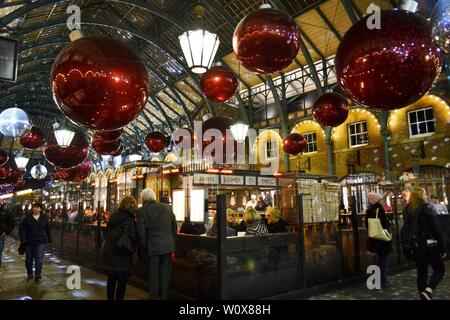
(14, 122)
(38, 172)
(440, 25)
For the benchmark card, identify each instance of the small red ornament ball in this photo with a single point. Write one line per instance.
(266, 41)
(67, 157)
(32, 139)
(82, 171)
(99, 83)
(331, 109)
(156, 141)
(4, 157)
(218, 84)
(106, 147)
(9, 174)
(391, 67)
(19, 184)
(294, 143)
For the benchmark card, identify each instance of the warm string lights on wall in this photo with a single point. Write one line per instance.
(362, 111)
(305, 122)
(266, 134)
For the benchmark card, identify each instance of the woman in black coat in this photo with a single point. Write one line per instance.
(34, 232)
(118, 264)
(381, 248)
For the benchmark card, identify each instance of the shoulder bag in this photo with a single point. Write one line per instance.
(376, 230)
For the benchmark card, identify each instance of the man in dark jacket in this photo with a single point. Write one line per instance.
(34, 233)
(157, 231)
(6, 226)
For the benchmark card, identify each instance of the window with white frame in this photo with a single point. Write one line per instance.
(421, 122)
(357, 134)
(271, 149)
(311, 138)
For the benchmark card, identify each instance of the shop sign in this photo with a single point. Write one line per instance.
(268, 182)
(201, 178)
(233, 180)
(250, 181)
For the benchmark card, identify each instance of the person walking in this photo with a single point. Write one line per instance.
(430, 242)
(118, 260)
(34, 234)
(157, 229)
(380, 247)
(6, 227)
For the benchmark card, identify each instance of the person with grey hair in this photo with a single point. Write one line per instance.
(157, 229)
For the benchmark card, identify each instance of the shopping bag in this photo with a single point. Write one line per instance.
(376, 230)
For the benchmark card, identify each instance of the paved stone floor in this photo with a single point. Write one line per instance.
(15, 286)
(402, 287)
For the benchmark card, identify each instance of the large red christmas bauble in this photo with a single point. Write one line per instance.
(81, 172)
(294, 143)
(67, 157)
(60, 174)
(108, 135)
(4, 157)
(266, 41)
(99, 83)
(222, 124)
(180, 135)
(33, 139)
(106, 147)
(118, 152)
(155, 141)
(331, 109)
(218, 84)
(390, 67)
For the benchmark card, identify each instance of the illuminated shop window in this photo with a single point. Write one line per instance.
(271, 149)
(421, 122)
(312, 142)
(357, 134)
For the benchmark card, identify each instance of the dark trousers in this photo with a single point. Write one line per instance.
(2, 246)
(159, 276)
(432, 257)
(383, 264)
(34, 253)
(116, 286)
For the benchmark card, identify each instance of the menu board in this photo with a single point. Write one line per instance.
(320, 201)
(197, 205)
(201, 178)
(267, 182)
(179, 204)
(250, 181)
(232, 180)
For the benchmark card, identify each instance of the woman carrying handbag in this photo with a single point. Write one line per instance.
(120, 242)
(379, 239)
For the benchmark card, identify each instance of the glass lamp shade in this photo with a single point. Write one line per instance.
(14, 122)
(199, 49)
(38, 172)
(135, 157)
(21, 162)
(239, 131)
(64, 137)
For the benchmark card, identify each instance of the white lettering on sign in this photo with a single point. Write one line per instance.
(200, 178)
(270, 182)
(233, 180)
(250, 181)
